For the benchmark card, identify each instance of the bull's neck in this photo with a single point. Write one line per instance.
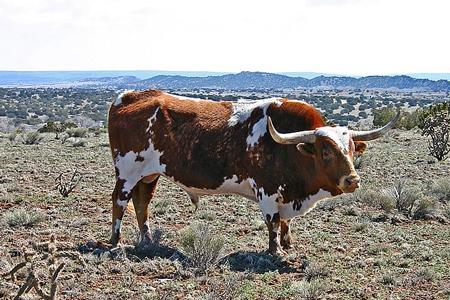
(318, 181)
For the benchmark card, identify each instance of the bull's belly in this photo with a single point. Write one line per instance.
(229, 186)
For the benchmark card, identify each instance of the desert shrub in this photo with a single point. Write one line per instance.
(388, 279)
(377, 199)
(381, 116)
(63, 137)
(161, 207)
(77, 142)
(408, 120)
(77, 132)
(446, 210)
(32, 138)
(437, 127)
(422, 275)
(431, 111)
(361, 225)
(311, 290)
(207, 215)
(315, 271)
(201, 246)
(13, 135)
(406, 197)
(22, 217)
(441, 189)
(226, 288)
(426, 206)
(56, 127)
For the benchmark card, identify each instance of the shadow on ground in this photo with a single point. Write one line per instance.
(262, 262)
(132, 252)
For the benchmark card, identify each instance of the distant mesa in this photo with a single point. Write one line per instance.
(240, 81)
(261, 81)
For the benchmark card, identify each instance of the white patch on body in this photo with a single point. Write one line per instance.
(287, 210)
(267, 203)
(122, 203)
(117, 225)
(132, 171)
(151, 120)
(339, 135)
(118, 101)
(229, 186)
(242, 109)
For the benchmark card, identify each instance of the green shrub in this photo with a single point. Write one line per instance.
(56, 127)
(201, 246)
(381, 116)
(408, 120)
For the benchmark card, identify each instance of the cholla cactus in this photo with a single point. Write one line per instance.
(436, 127)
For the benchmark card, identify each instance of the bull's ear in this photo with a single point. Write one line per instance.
(360, 147)
(306, 148)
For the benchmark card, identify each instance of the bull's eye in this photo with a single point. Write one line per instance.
(327, 154)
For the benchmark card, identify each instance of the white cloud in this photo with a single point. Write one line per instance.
(335, 36)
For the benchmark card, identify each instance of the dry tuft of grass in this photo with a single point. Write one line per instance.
(201, 246)
(308, 290)
(77, 132)
(441, 189)
(32, 138)
(21, 217)
(315, 271)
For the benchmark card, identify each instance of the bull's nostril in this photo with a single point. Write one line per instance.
(352, 180)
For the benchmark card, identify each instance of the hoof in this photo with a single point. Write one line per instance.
(145, 243)
(286, 246)
(277, 252)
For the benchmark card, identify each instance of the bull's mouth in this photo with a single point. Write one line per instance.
(349, 189)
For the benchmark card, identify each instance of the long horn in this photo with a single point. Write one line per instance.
(306, 136)
(376, 133)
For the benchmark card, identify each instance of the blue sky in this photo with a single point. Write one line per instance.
(353, 37)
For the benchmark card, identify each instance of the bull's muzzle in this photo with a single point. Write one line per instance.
(350, 183)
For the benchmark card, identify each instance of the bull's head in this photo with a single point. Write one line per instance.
(333, 149)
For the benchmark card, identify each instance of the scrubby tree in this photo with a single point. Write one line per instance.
(436, 126)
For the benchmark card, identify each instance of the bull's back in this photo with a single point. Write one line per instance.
(135, 117)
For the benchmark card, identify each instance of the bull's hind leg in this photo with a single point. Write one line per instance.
(120, 201)
(142, 194)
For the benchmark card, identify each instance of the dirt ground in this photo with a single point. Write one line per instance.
(344, 249)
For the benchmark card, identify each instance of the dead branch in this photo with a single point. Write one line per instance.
(14, 270)
(65, 188)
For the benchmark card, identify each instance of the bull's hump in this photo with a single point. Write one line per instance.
(130, 96)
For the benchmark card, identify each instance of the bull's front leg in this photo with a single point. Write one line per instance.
(285, 234)
(269, 209)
